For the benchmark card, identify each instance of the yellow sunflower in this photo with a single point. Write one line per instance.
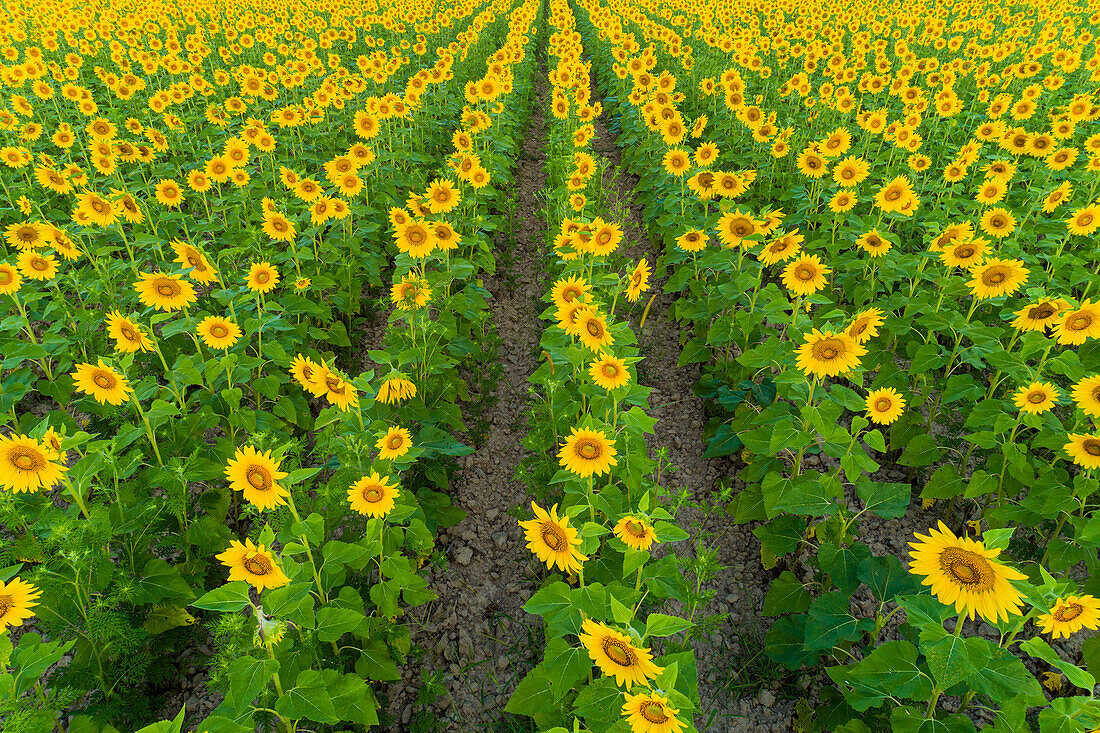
(609, 372)
(649, 712)
(309, 374)
(10, 279)
(1040, 315)
(884, 406)
(36, 266)
(693, 240)
(593, 331)
(805, 275)
(17, 598)
(1086, 394)
(169, 193)
(874, 243)
(1078, 325)
(586, 452)
(1084, 221)
(188, 256)
(165, 292)
(828, 354)
(617, 656)
(639, 281)
(1069, 615)
(1036, 398)
(339, 391)
(395, 389)
(963, 573)
(864, 326)
(552, 540)
(635, 532)
(102, 382)
(253, 564)
(262, 277)
(442, 196)
(218, 333)
(127, 335)
(373, 495)
(27, 465)
(567, 290)
(1084, 450)
(411, 292)
(996, 277)
(394, 444)
(257, 475)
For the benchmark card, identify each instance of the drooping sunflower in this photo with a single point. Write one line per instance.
(218, 333)
(649, 712)
(395, 389)
(1078, 325)
(963, 572)
(1069, 615)
(552, 540)
(102, 382)
(257, 475)
(1036, 398)
(805, 275)
(17, 598)
(884, 406)
(567, 290)
(617, 656)
(164, 292)
(26, 465)
(10, 279)
(609, 372)
(1040, 315)
(339, 391)
(253, 564)
(373, 495)
(639, 281)
(864, 326)
(636, 532)
(828, 354)
(262, 277)
(1084, 450)
(996, 277)
(189, 257)
(394, 444)
(586, 452)
(1086, 394)
(127, 335)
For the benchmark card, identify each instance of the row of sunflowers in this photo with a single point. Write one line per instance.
(882, 232)
(210, 460)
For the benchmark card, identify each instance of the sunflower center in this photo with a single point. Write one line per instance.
(40, 264)
(828, 350)
(26, 459)
(882, 404)
(589, 449)
(6, 277)
(168, 289)
(594, 328)
(805, 273)
(994, 276)
(257, 565)
(1092, 446)
(569, 293)
(619, 653)
(218, 330)
(103, 380)
(395, 442)
(857, 328)
(553, 536)
(373, 494)
(1078, 322)
(635, 528)
(262, 277)
(610, 370)
(6, 604)
(1036, 398)
(965, 251)
(1084, 220)
(998, 222)
(258, 478)
(653, 712)
(1068, 612)
(1041, 312)
(966, 568)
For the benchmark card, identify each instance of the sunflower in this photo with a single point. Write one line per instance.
(51, 441)
(567, 290)
(188, 256)
(827, 354)
(850, 171)
(998, 222)
(26, 465)
(586, 452)
(127, 335)
(395, 389)
(961, 571)
(1057, 197)
(1084, 221)
(552, 540)
(394, 444)
(864, 326)
(812, 165)
(649, 712)
(411, 292)
(874, 243)
(96, 209)
(895, 194)
(1079, 325)
(1084, 450)
(616, 655)
(164, 292)
(309, 374)
(606, 237)
(1036, 398)
(35, 266)
(339, 391)
(782, 248)
(218, 333)
(442, 196)
(257, 475)
(262, 277)
(17, 598)
(997, 277)
(169, 193)
(693, 240)
(373, 495)
(1069, 615)
(609, 372)
(415, 239)
(1086, 394)
(102, 382)
(884, 406)
(278, 227)
(592, 330)
(805, 275)
(10, 279)
(639, 281)
(1039, 315)
(843, 201)
(636, 532)
(26, 235)
(253, 564)
(734, 226)
(677, 162)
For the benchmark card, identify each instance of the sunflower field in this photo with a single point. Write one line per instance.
(254, 269)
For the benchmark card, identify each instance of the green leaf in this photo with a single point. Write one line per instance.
(227, 598)
(531, 694)
(1039, 649)
(332, 622)
(658, 624)
(248, 677)
(889, 671)
(1004, 677)
(564, 664)
(829, 622)
(951, 658)
(355, 700)
(886, 577)
(886, 499)
(167, 726)
(308, 699)
(599, 702)
(161, 580)
(376, 662)
(549, 600)
(786, 595)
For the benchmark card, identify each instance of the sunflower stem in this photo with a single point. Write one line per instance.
(148, 428)
(76, 496)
